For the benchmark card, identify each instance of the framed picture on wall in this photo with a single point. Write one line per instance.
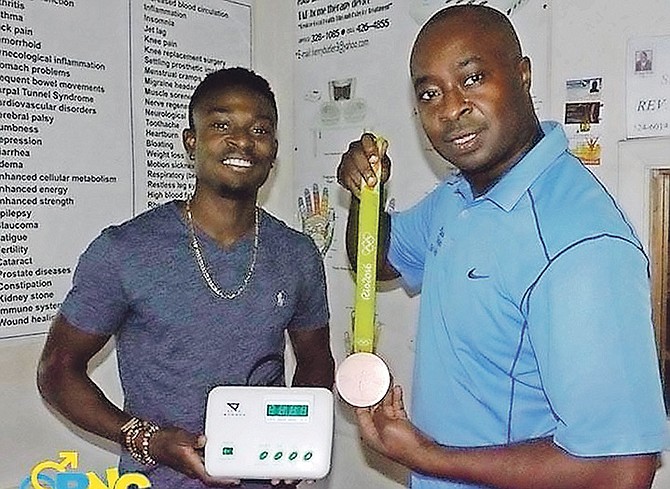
(648, 87)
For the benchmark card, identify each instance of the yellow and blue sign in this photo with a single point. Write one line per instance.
(62, 474)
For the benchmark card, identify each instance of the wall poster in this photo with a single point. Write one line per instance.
(583, 117)
(91, 110)
(648, 87)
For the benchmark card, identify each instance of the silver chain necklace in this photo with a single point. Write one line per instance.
(204, 270)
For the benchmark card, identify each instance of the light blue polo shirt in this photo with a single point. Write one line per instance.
(535, 315)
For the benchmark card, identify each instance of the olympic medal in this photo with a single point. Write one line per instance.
(362, 379)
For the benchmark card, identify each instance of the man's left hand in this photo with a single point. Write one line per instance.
(386, 428)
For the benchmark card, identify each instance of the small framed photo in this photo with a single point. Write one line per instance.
(644, 60)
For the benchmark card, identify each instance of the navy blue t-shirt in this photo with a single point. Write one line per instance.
(175, 339)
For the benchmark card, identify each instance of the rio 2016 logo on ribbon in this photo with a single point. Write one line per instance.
(65, 478)
(368, 244)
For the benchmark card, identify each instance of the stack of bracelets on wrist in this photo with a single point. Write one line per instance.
(144, 430)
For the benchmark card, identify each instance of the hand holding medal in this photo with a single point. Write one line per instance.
(363, 379)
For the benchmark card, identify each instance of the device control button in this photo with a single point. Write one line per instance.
(293, 455)
(263, 455)
(279, 455)
(308, 456)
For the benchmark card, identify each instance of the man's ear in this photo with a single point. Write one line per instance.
(525, 72)
(188, 140)
(275, 151)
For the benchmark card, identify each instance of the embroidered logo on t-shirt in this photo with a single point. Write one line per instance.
(281, 298)
(472, 274)
(438, 242)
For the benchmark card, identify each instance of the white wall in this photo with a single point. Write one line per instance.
(273, 58)
(588, 39)
(29, 432)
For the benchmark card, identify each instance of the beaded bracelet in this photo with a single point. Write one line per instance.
(144, 430)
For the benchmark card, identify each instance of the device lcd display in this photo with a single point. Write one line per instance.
(284, 410)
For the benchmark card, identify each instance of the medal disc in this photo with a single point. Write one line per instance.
(362, 379)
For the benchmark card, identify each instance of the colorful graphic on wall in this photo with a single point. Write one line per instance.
(583, 118)
(317, 217)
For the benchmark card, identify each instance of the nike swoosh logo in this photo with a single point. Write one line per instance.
(474, 275)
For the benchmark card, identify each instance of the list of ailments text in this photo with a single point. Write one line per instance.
(43, 91)
(93, 100)
(171, 72)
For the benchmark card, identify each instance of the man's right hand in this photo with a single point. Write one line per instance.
(183, 452)
(366, 160)
(360, 162)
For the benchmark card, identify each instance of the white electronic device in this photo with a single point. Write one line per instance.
(269, 432)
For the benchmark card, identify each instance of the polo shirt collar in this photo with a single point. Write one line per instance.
(507, 192)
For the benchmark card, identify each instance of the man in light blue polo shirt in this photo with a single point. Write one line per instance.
(535, 363)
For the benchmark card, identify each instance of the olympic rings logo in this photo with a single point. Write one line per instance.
(363, 343)
(368, 243)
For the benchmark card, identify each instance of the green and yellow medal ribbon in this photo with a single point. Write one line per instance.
(366, 269)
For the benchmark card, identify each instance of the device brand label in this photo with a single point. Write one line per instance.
(233, 409)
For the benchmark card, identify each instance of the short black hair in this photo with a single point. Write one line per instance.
(230, 78)
(483, 16)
